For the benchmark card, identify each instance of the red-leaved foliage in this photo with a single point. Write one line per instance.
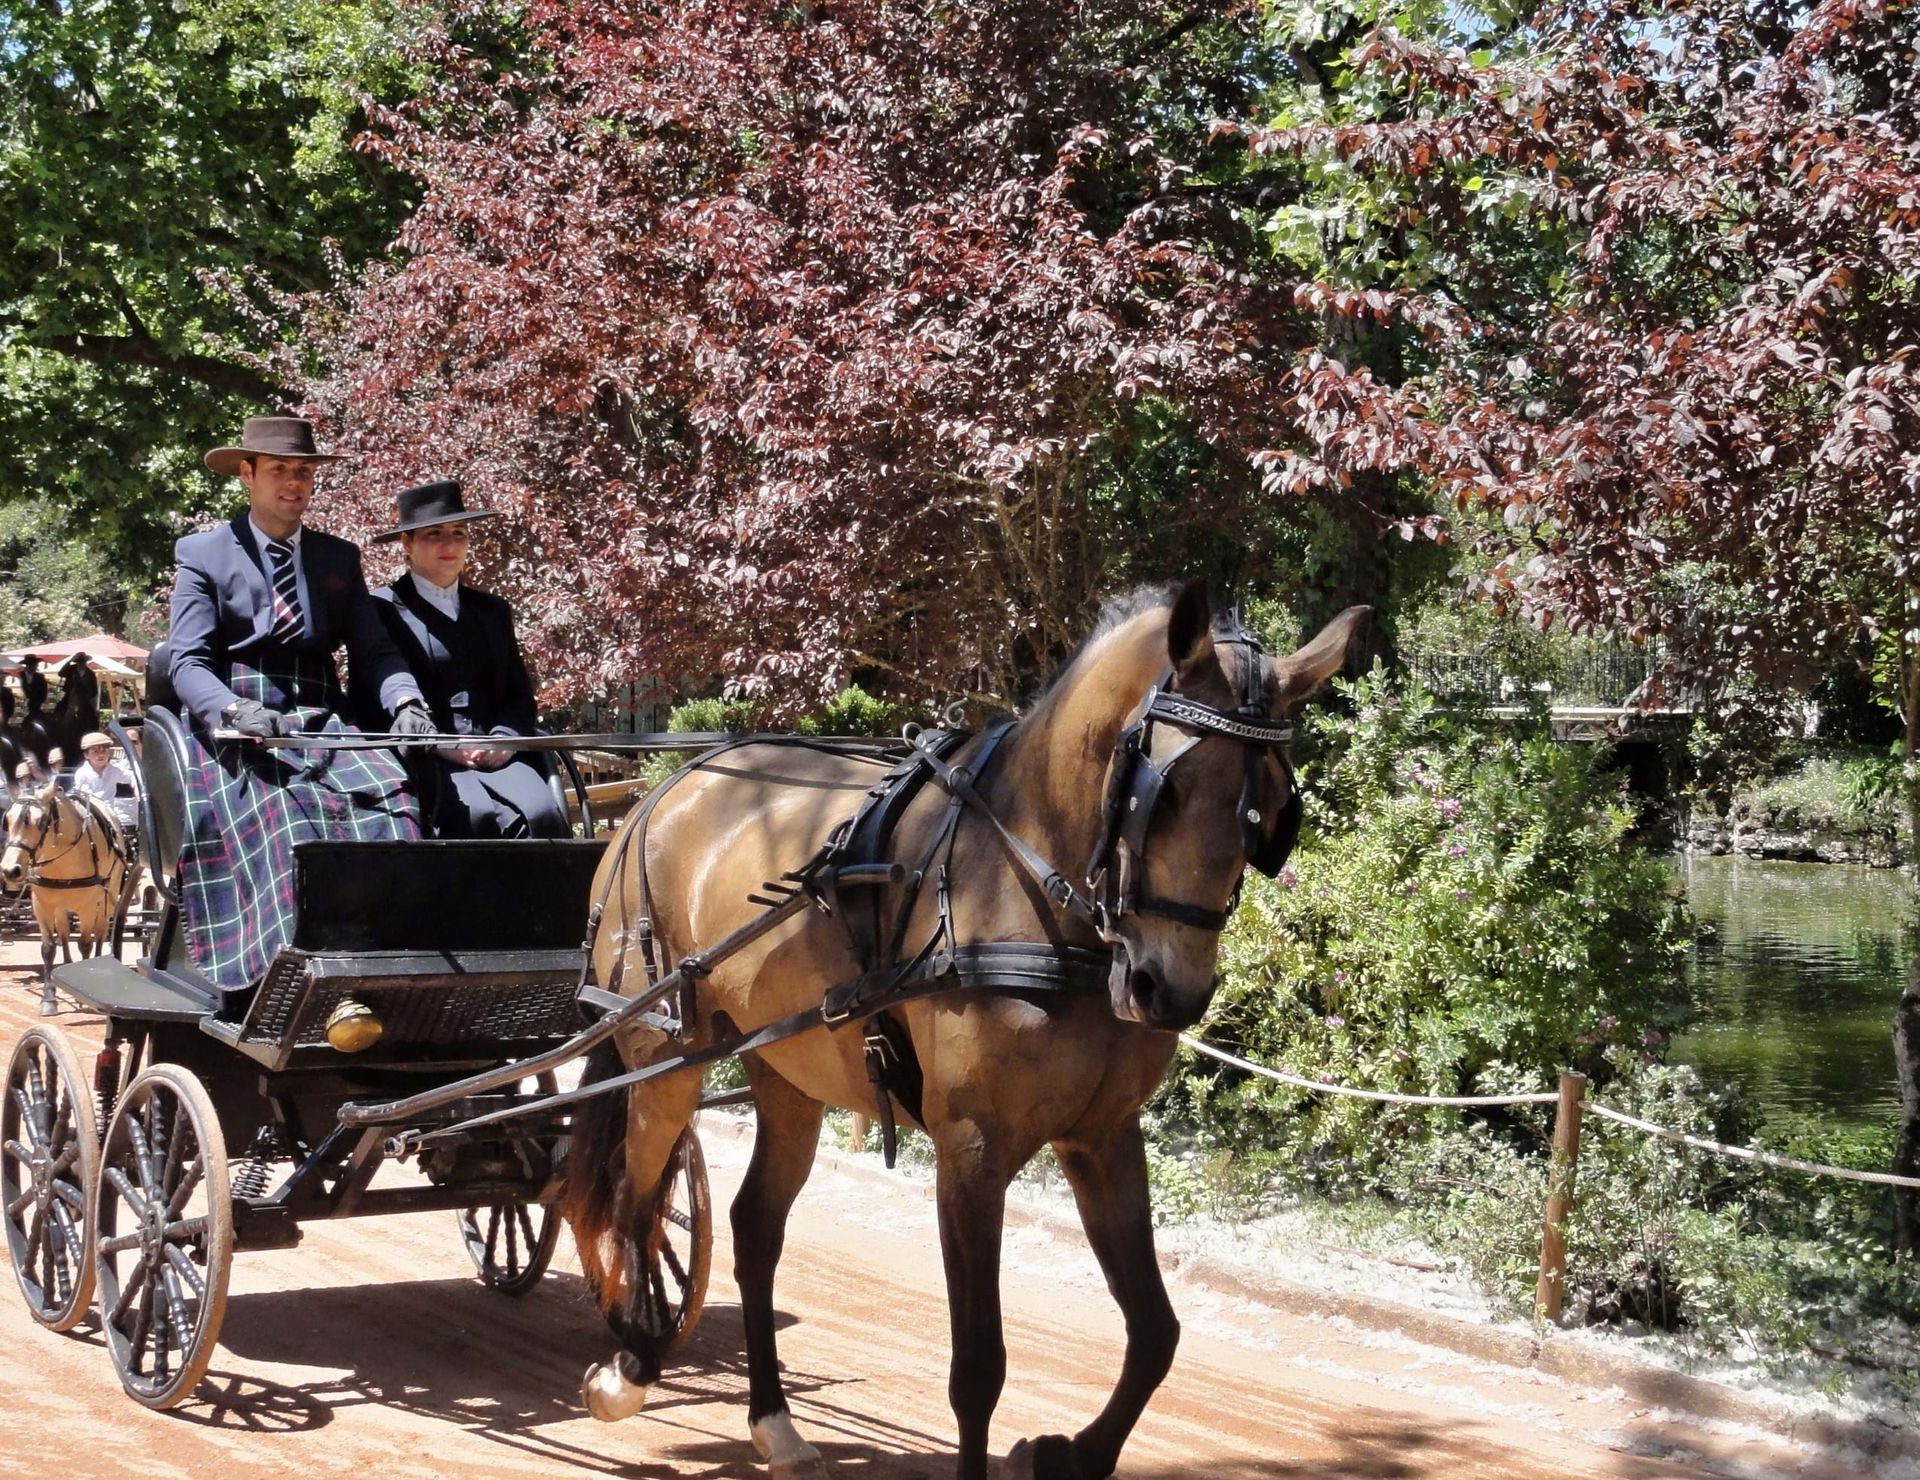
(801, 340)
(1671, 365)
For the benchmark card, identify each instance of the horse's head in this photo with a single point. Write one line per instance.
(1197, 787)
(33, 823)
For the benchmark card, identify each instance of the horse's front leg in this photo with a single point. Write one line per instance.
(1108, 1173)
(49, 1001)
(972, 1201)
(786, 1135)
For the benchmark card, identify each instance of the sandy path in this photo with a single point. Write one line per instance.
(370, 1348)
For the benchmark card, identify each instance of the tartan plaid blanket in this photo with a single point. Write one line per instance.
(247, 807)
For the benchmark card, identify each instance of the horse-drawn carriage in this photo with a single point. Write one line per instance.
(210, 1121)
(1012, 923)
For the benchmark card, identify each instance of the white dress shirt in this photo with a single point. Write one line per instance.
(445, 599)
(105, 785)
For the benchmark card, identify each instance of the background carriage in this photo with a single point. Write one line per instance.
(212, 1120)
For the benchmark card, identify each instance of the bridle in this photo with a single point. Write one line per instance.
(1136, 785)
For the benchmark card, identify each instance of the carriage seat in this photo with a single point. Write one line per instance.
(463, 945)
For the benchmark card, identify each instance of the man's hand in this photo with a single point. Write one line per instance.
(251, 717)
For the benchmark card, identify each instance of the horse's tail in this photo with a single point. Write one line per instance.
(596, 1181)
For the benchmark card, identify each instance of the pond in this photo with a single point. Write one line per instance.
(1801, 979)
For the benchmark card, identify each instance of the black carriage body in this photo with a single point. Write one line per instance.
(470, 954)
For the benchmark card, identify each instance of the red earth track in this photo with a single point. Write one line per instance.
(371, 1348)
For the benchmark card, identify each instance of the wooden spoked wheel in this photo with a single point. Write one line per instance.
(164, 1220)
(47, 1172)
(511, 1243)
(680, 1252)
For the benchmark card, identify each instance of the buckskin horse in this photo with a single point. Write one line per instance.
(1158, 754)
(72, 853)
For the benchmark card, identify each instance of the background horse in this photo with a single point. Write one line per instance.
(1002, 1075)
(72, 853)
(79, 708)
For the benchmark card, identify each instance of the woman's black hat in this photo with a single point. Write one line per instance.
(428, 504)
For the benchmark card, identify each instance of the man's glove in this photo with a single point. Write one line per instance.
(412, 718)
(251, 717)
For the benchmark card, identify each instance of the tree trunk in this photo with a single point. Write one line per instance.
(1906, 1017)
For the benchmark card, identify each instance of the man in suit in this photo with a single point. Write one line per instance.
(259, 607)
(459, 644)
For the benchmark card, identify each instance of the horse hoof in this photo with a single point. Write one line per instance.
(608, 1395)
(1049, 1457)
(49, 1006)
(788, 1456)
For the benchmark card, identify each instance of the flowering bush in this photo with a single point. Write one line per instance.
(1466, 907)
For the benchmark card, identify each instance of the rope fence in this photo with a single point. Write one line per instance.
(1571, 1102)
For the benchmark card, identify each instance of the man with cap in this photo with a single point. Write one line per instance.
(459, 644)
(260, 605)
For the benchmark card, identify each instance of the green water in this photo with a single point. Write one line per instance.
(1801, 984)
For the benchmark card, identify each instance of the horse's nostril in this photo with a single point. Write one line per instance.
(1143, 987)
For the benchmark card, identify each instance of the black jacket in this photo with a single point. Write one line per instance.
(470, 671)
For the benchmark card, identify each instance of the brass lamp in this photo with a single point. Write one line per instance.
(353, 1026)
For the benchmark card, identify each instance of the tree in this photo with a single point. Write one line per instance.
(799, 341)
(1665, 367)
(52, 586)
(159, 164)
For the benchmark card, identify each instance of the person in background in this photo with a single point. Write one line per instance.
(459, 644)
(103, 778)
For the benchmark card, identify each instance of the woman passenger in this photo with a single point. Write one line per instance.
(459, 643)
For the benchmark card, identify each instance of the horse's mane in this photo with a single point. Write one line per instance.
(1118, 611)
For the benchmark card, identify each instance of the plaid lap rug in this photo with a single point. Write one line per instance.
(247, 807)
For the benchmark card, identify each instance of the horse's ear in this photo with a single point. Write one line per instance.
(1300, 673)
(1190, 628)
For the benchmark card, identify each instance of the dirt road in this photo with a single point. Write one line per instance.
(370, 1348)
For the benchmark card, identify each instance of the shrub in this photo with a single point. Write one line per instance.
(1466, 908)
(853, 711)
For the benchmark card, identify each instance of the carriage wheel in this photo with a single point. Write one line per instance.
(165, 1229)
(47, 1172)
(511, 1243)
(680, 1253)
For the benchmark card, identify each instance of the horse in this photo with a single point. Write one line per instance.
(73, 854)
(38, 731)
(1003, 1074)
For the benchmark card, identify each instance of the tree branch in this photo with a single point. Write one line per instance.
(219, 375)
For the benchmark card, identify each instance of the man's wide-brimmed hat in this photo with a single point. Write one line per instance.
(428, 504)
(269, 436)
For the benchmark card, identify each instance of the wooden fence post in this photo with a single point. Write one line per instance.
(1551, 1293)
(859, 1136)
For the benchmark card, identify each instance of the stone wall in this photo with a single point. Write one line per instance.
(1761, 834)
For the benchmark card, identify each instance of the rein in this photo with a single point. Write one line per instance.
(942, 964)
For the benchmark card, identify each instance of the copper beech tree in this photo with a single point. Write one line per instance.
(1659, 309)
(802, 340)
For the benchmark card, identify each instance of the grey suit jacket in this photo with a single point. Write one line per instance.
(223, 608)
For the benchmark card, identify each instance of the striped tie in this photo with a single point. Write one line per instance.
(289, 623)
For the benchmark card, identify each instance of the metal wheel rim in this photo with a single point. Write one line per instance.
(47, 1171)
(163, 1274)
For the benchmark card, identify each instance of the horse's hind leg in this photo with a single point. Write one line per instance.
(656, 1115)
(1109, 1180)
(785, 1137)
